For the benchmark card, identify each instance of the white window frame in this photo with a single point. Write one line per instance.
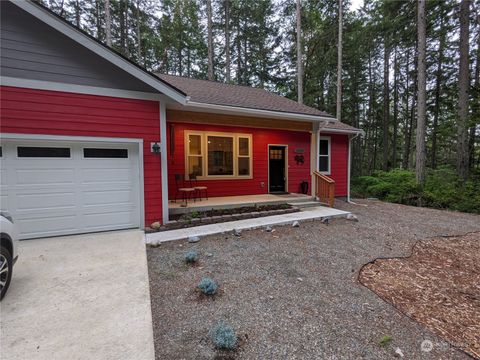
(204, 154)
(329, 156)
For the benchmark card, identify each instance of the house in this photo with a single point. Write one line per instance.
(80, 125)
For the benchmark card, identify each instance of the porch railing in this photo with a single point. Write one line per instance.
(324, 188)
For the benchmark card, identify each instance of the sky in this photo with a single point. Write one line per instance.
(356, 4)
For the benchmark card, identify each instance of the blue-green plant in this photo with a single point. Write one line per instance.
(191, 256)
(208, 286)
(223, 336)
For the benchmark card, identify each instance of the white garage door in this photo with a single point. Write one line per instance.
(58, 188)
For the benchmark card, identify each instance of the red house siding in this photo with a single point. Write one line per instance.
(261, 138)
(28, 111)
(339, 166)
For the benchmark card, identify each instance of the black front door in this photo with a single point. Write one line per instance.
(276, 164)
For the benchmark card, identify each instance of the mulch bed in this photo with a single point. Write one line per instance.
(438, 286)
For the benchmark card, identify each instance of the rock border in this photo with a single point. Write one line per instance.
(187, 223)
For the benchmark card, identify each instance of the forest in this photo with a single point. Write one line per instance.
(406, 72)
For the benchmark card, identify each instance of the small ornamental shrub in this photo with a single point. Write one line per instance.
(385, 341)
(191, 256)
(224, 337)
(208, 286)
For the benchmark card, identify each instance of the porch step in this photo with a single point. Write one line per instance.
(304, 204)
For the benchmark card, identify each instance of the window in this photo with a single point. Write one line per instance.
(105, 153)
(195, 154)
(50, 152)
(324, 155)
(244, 156)
(218, 155)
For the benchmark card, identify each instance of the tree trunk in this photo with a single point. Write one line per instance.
(339, 61)
(227, 42)
(299, 54)
(476, 102)
(77, 13)
(139, 34)
(108, 24)
(122, 27)
(463, 84)
(408, 130)
(386, 104)
(210, 39)
(395, 110)
(421, 102)
(97, 20)
(438, 85)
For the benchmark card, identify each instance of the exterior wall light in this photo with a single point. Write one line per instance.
(155, 147)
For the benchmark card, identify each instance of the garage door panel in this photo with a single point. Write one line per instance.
(46, 225)
(103, 220)
(109, 197)
(118, 175)
(46, 201)
(45, 176)
(60, 196)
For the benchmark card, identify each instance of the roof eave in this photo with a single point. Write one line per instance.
(260, 113)
(109, 55)
(341, 131)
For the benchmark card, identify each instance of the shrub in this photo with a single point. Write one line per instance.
(208, 286)
(224, 337)
(191, 256)
(442, 189)
(386, 340)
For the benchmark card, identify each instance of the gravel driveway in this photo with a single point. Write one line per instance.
(293, 293)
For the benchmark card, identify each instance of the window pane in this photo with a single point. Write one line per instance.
(30, 151)
(195, 144)
(105, 153)
(323, 147)
(323, 163)
(243, 146)
(243, 166)
(195, 165)
(220, 155)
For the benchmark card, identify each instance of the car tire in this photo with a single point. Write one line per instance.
(5, 279)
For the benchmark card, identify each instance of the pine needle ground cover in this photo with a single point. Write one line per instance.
(438, 286)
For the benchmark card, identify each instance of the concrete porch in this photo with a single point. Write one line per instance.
(230, 202)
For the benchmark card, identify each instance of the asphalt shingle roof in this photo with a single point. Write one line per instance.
(212, 92)
(217, 93)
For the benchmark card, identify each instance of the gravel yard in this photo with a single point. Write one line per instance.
(293, 293)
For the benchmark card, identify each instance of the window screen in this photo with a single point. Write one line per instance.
(51, 152)
(105, 153)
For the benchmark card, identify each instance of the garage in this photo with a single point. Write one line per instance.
(68, 187)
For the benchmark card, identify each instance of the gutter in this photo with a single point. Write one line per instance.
(350, 139)
(259, 112)
(355, 132)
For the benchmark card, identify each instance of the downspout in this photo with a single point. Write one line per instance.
(350, 138)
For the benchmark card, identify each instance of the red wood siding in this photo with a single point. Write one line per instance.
(339, 166)
(30, 111)
(261, 138)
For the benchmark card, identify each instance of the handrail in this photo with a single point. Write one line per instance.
(324, 188)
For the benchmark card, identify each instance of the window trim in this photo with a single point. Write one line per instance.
(204, 154)
(329, 156)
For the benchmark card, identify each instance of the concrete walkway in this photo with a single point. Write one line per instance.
(79, 297)
(309, 214)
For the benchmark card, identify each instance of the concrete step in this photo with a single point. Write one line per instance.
(305, 204)
(301, 200)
